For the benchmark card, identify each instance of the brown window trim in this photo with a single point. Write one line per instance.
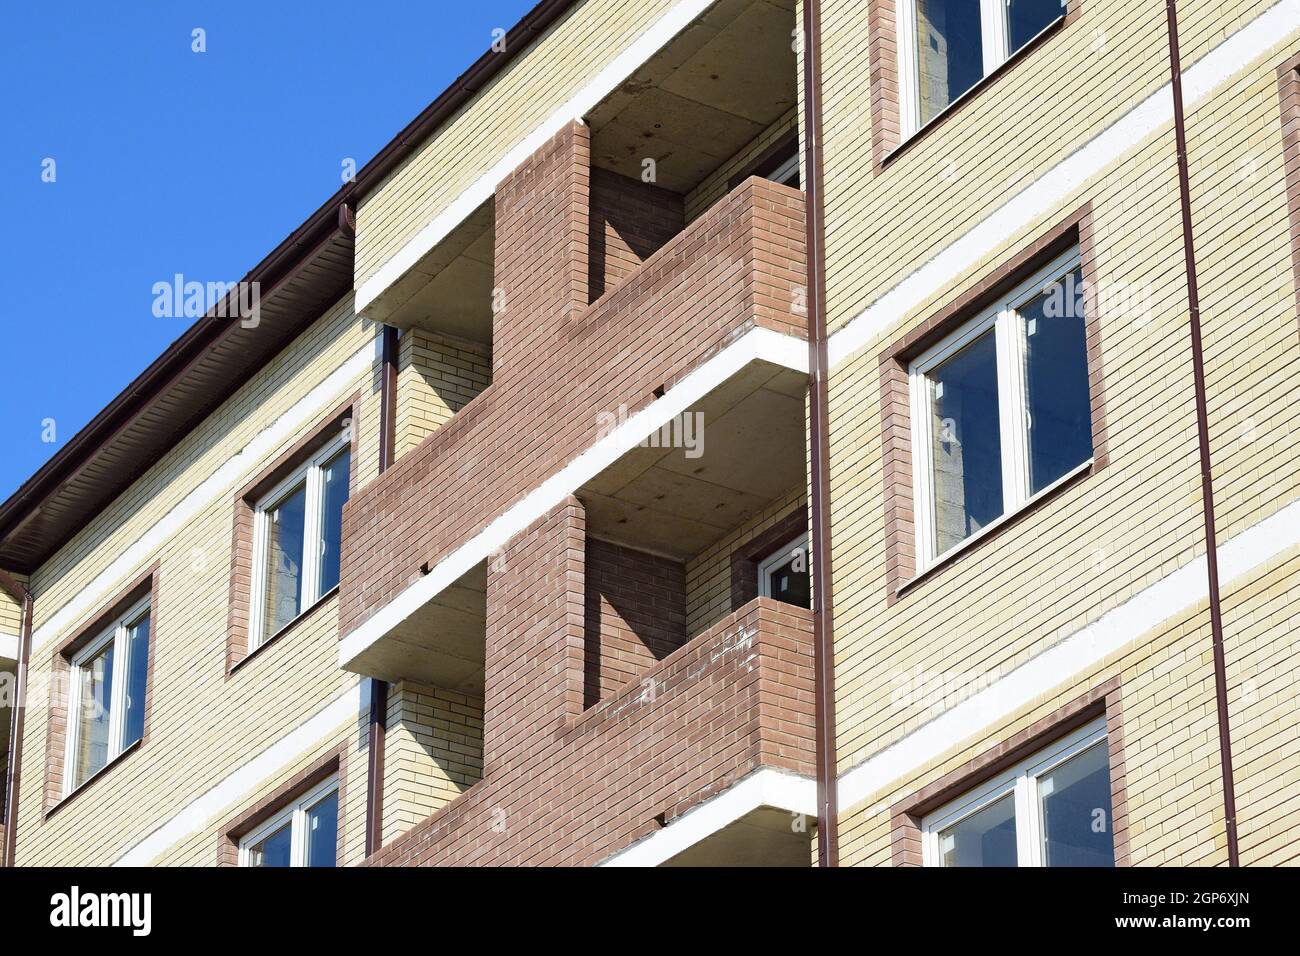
(241, 557)
(896, 451)
(886, 113)
(770, 160)
(746, 559)
(1288, 79)
(249, 819)
(56, 729)
(1102, 701)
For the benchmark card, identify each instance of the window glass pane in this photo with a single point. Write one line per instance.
(285, 529)
(1059, 412)
(949, 52)
(138, 664)
(1076, 811)
(786, 171)
(1028, 18)
(966, 444)
(93, 714)
(790, 582)
(273, 850)
(985, 838)
(322, 831)
(335, 479)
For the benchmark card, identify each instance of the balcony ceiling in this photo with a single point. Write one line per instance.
(704, 97)
(449, 291)
(763, 837)
(443, 644)
(754, 452)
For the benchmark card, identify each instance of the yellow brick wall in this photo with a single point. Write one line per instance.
(1120, 531)
(437, 376)
(433, 752)
(203, 726)
(11, 611)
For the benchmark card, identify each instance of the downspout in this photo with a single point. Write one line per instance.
(13, 778)
(379, 688)
(1203, 433)
(828, 850)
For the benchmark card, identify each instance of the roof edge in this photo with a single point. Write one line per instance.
(280, 261)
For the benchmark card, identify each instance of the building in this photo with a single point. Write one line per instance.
(486, 539)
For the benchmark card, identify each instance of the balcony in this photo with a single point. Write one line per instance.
(705, 330)
(737, 700)
(565, 523)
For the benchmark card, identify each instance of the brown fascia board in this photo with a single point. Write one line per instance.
(334, 215)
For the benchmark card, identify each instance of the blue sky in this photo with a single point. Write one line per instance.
(168, 161)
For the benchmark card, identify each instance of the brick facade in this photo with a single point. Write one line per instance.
(630, 221)
(558, 362)
(619, 689)
(568, 786)
(635, 615)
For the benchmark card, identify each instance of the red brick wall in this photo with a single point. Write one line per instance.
(561, 362)
(630, 221)
(635, 616)
(542, 209)
(533, 676)
(564, 787)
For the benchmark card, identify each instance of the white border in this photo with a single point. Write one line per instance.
(1115, 632)
(756, 345)
(8, 647)
(771, 788)
(338, 717)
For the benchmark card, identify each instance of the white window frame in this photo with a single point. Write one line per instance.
(786, 171)
(310, 473)
(1001, 317)
(1022, 781)
(296, 813)
(776, 559)
(994, 32)
(118, 634)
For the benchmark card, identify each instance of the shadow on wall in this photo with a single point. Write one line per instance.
(635, 616)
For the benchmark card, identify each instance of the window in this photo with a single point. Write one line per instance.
(787, 171)
(778, 163)
(109, 677)
(297, 531)
(1053, 809)
(305, 833)
(1001, 411)
(784, 574)
(947, 46)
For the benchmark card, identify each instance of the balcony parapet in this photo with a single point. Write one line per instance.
(737, 270)
(735, 700)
